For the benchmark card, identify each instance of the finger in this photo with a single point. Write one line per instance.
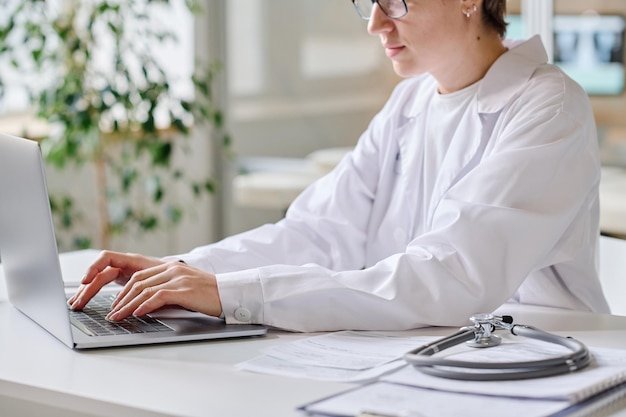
(127, 263)
(141, 286)
(124, 310)
(137, 282)
(193, 292)
(153, 298)
(104, 260)
(138, 288)
(172, 284)
(159, 298)
(87, 291)
(76, 295)
(108, 267)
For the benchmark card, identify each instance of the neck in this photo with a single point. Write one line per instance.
(473, 62)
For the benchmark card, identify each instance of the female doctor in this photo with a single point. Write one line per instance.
(476, 184)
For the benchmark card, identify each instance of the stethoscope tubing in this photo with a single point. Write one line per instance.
(423, 359)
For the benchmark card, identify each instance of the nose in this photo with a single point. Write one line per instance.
(379, 22)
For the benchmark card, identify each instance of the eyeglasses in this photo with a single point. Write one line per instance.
(392, 8)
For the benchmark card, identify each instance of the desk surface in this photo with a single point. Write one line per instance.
(193, 379)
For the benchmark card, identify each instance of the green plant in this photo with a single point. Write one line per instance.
(120, 115)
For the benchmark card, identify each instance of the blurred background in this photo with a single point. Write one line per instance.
(297, 84)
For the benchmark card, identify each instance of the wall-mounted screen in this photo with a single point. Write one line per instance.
(588, 47)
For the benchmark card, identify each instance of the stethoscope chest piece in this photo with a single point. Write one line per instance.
(485, 337)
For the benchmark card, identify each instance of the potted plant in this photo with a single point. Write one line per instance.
(117, 111)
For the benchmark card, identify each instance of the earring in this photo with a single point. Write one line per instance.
(471, 10)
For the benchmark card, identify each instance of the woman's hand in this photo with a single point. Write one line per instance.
(149, 283)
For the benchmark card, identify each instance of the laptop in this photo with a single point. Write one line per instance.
(34, 281)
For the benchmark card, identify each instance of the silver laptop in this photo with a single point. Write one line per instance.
(32, 270)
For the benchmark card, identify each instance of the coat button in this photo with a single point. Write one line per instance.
(242, 314)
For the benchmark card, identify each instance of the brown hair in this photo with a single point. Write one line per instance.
(494, 12)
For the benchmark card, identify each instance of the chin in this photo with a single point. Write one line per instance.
(405, 71)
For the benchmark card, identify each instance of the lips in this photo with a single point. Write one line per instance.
(393, 50)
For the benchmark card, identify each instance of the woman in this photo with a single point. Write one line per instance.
(475, 185)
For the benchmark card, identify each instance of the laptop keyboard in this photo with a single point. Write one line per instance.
(92, 320)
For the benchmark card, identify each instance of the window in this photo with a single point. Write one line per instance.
(301, 75)
(175, 57)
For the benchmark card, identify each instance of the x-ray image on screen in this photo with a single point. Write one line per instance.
(590, 48)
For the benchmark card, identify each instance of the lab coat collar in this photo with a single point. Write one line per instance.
(509, 73)
(505, 77)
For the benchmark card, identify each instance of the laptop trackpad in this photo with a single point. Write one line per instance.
(181, 319)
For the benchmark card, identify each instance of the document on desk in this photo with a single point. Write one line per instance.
(346, 356)
(392, 400)
(607, 369)
(411, 393)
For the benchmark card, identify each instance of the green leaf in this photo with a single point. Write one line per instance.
(209, 186)
(174, 214)
(161, 153)
(148, 222)
(129, 175)
(180, 126)
(82, 242)
(226, 141)
(218, 119)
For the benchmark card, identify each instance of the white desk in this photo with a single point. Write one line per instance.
(40, 376)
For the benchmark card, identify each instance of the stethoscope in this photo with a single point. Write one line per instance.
(480, 335)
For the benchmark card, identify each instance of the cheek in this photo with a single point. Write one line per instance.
(436, 45)
(423, 37)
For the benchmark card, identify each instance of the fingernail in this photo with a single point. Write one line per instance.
(112, 316)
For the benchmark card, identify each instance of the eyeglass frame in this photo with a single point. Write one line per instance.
(358, 10)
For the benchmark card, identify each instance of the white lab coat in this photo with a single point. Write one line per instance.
(387, 241)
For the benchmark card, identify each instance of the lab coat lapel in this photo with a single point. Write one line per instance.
(409, 166)
(464, 154)
(421, 192)
(467, 141)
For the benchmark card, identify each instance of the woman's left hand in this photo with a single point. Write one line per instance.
(171, 283)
